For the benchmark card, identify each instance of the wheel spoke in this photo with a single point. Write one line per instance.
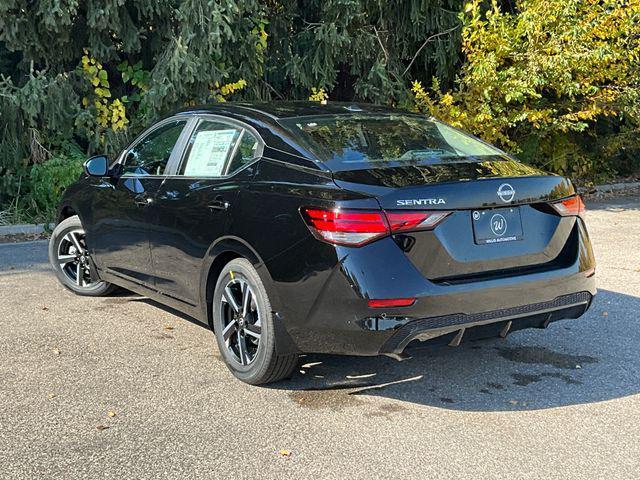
(253, 330)
(76, 242)
(242, 349)
(228, 297)
(79, 274)
(246, 299)
(229, 330)
(64, 259)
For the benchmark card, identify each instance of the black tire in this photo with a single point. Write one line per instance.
(60, 243)
(262, 365)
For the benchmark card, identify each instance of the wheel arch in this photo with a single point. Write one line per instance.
(218, 255)
(65, 211)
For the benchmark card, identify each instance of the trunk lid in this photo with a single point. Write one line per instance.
(454, 186)
(456, 251)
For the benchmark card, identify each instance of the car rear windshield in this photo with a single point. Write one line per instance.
(353, 142)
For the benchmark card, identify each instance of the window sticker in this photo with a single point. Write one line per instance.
(209, 152)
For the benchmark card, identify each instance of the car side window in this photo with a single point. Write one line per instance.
(151, 154)
(245, 153)
(211, 146)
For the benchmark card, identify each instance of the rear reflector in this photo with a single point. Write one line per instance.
(391, 302)
(358, 227)
(572, 206)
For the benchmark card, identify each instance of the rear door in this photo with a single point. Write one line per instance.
(119, 232)
(194, 205)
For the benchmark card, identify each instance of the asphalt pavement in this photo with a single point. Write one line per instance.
(121, 387)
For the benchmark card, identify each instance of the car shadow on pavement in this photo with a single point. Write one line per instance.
(591, 359)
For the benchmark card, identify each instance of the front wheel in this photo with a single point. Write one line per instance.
(243, 326)
(70, 260)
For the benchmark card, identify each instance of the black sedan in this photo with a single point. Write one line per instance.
(339, 228)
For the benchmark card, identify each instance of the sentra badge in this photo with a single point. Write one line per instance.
(421, 201)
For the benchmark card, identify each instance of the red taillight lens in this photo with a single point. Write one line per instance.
(346, 227)
(358, 227)
(411, 221)
(572, 206)
(391, 302)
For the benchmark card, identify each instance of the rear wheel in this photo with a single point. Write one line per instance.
(70, 259)
(243, 326)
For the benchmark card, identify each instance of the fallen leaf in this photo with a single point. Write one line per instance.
(513, 402)
(45, 308)
(111, 413)
(605, 314)
(284, 453)
(56, 351)
(102, 427)
(52, 395)
(168, 327)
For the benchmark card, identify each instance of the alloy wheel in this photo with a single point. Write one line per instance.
(73, 258)
(241, 322)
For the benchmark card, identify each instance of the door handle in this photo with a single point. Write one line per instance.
(143, 201)
(219, 204)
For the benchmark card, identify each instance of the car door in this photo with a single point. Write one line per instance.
(119, 233)
(193, 206)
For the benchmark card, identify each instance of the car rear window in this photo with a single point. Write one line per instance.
(351, 142)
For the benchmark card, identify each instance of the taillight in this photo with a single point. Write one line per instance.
(572, 206)
(346, 227)
(358, 227)
(411, 221)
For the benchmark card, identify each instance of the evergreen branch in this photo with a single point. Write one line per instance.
(432, 37)
(384, 50)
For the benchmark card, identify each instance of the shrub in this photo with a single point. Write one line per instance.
(557, 81)
(47, 182)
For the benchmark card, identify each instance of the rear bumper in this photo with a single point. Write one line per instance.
(503, 321)
(349, 327)
(328, 312)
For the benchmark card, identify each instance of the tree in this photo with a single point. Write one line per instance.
(556, 80)
(90, 75)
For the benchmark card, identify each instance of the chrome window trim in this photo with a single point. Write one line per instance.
(199, 118)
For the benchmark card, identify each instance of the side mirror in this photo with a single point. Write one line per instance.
(97, 166)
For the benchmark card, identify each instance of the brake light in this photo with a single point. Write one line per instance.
(391, 302)
(572, 206)
(346, 227)
(411, 221)
(357, 227)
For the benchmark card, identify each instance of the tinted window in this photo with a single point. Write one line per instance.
(212, 145)
(349, 142)
(151, 154)
(245, 153)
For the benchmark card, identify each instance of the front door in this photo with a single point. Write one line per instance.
(119, 233)
(193, 206)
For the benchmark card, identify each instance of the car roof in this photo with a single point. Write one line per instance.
(278, 110)
(266, 118)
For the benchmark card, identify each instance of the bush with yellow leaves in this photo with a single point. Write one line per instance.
(557, 81)
(108, 114)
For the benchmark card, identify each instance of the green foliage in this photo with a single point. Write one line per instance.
(557, 81)
(49, 179)
(96, 73)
